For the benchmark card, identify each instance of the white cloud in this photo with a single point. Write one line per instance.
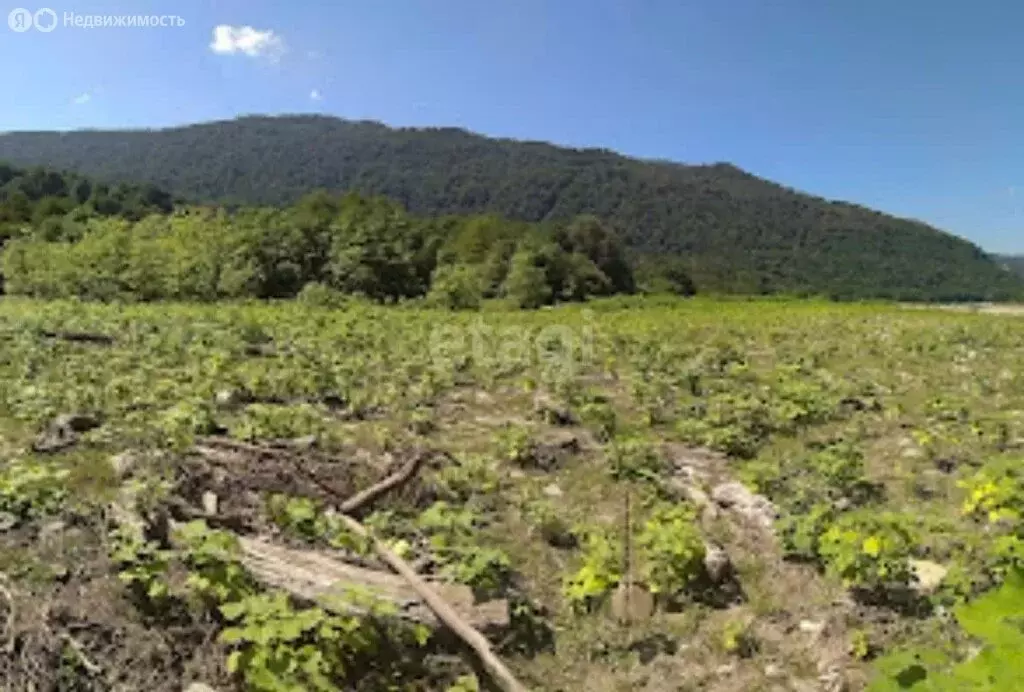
(82, 99)
(315, 95)
(245, 40)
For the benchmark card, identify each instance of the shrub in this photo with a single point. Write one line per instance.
(600, 572)
(636, 460)
(671, 550)
(320, 295)
(526, 285)
(869, 550)
(456, 287)
(995, 492)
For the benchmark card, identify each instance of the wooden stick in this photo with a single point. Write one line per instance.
(369, 495)
(8, 648)
(80, 652)
(471, 637)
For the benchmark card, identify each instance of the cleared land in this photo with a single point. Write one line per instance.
(812, 487)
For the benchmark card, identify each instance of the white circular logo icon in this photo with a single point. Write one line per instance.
(45, 20)
(20, 19)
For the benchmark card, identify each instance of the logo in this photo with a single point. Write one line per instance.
(21, 20)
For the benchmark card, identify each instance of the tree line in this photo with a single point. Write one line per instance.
(58, 204)
(345, 245)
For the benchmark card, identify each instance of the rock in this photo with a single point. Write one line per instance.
(632, 604)
(716, 563)
(773, 671)
(51, 530)
(832, 680)
(210, 503)
(199, 687)
(305, 442)
(738, 498)
(124, 464)
(804, 686)
(7, 521)
(564, 440)
(551, 450)
(64, 431)
(698, 497)
(812, 627)
(550, 411)
(690, 475)
(929, 575)
(232, 398)
(553, 491)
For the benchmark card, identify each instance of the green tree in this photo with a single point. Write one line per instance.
(456, 287)
(526, 285)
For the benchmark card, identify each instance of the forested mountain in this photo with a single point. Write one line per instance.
(735, 231)
(1014, 262)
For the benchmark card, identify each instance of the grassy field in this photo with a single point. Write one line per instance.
(814, 490)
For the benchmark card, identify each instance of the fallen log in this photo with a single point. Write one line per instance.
(313, 576)
(316, 577)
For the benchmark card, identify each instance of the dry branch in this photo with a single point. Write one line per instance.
(444, 612)
(366, 497)
(79, 650)
(8, 647)
(78, 337)
(440, 607)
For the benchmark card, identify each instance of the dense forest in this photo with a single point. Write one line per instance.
(53, 205)
(727, 229)
(1013, 262)
(323, 248)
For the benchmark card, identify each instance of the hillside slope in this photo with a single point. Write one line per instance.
(1013, 262)
(737, 231)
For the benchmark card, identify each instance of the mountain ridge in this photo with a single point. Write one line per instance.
(738, 232)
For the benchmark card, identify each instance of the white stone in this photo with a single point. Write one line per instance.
(812, 627)
(929, 574)
(124, 464)
(210, 503)
(740, 499)
(553, 491)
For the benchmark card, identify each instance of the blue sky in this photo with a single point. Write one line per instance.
(912, 107)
